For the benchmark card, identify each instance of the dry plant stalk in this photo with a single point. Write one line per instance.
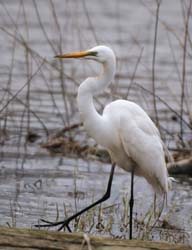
(186, 21)
(158, 2)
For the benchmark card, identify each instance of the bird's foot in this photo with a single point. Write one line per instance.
(61, 224)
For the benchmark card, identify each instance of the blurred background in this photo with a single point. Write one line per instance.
(49, 167)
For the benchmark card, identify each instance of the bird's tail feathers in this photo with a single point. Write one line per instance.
(170, 182)
(157, 185)
(172, 161)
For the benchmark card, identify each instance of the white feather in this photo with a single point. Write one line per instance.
(124, 129)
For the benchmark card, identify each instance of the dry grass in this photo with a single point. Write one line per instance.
(39, 94)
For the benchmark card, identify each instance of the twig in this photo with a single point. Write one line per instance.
(167, 105)
(134, 73)
(20, 90)
(20, 39)
(42, 27)
(153, 63)
(89, 21)
(30, 110)
(181, 150)
(12, 62)
(184, 69)
(61, 70)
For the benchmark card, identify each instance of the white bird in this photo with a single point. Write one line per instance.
(124, 129)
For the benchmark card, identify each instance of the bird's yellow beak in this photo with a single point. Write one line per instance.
(74, 54)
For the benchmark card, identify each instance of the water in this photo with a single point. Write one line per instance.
(33, 182)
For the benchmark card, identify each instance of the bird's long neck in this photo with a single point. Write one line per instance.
(92, 120)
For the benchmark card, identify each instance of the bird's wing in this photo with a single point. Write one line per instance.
(141, 141)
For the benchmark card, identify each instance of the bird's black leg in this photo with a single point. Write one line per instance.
(65, 223)
(131, 203)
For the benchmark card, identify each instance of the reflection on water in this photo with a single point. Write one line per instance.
(36, 185)
(45, 186)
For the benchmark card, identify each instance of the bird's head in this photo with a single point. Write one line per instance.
(99, 53)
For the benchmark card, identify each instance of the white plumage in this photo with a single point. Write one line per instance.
(124, 128)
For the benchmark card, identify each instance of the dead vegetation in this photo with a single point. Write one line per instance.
(38, 95)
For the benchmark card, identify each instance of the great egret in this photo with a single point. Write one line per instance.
(124, 129)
